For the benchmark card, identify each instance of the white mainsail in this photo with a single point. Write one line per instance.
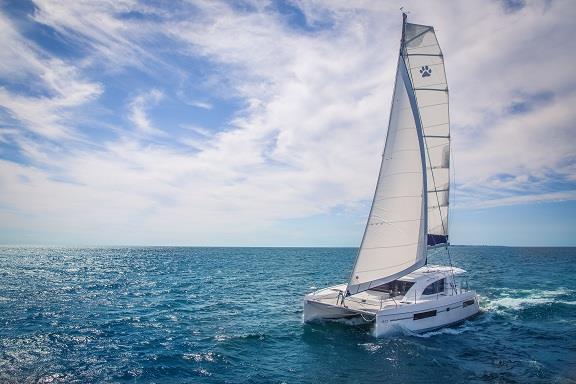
(410, 205)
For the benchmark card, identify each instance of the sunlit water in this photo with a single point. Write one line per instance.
(214, 315)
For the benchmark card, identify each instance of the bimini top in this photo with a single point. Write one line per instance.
(432, 271)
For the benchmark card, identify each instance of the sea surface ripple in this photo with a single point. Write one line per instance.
(234, 315)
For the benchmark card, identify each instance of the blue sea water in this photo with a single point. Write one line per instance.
(233, 315)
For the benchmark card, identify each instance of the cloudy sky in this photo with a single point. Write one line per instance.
(263, 122)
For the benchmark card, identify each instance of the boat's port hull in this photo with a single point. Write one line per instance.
(315, 311)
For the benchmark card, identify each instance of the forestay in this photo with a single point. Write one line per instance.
(394, 242)
(426, 64)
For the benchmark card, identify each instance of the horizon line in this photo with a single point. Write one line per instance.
(252, 246)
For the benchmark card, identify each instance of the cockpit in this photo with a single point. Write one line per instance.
(394, 288)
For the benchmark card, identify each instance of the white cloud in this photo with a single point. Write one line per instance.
(57, 87)
(138, 115)
(309, 137)
(523, 199)
(200, 104)
(99, 29)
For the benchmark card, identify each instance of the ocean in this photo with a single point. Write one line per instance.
(234, 315)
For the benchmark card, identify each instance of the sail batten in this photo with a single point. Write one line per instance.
(409, 210)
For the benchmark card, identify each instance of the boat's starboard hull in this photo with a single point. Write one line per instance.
(427, 316)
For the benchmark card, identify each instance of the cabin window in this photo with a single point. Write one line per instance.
(434, 288)
(424, 315)
(394, 288)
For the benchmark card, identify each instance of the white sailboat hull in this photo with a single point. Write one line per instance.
(326, 308)
(315, 311)
(427, 316)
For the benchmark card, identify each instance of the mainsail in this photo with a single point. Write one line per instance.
(426, 64)
(410, 206)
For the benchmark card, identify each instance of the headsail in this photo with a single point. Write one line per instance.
(426, 64)
(394, 240)
(410, 205)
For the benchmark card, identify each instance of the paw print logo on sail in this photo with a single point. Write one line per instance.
(425, 71)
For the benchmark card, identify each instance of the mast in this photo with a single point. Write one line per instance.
(419, 129)
(403, 39)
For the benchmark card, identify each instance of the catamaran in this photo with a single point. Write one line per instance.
(391, 283)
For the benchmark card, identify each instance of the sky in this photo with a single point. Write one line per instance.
(262, 123)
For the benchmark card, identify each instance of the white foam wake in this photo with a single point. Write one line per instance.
(529, 298)
(446, 331)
